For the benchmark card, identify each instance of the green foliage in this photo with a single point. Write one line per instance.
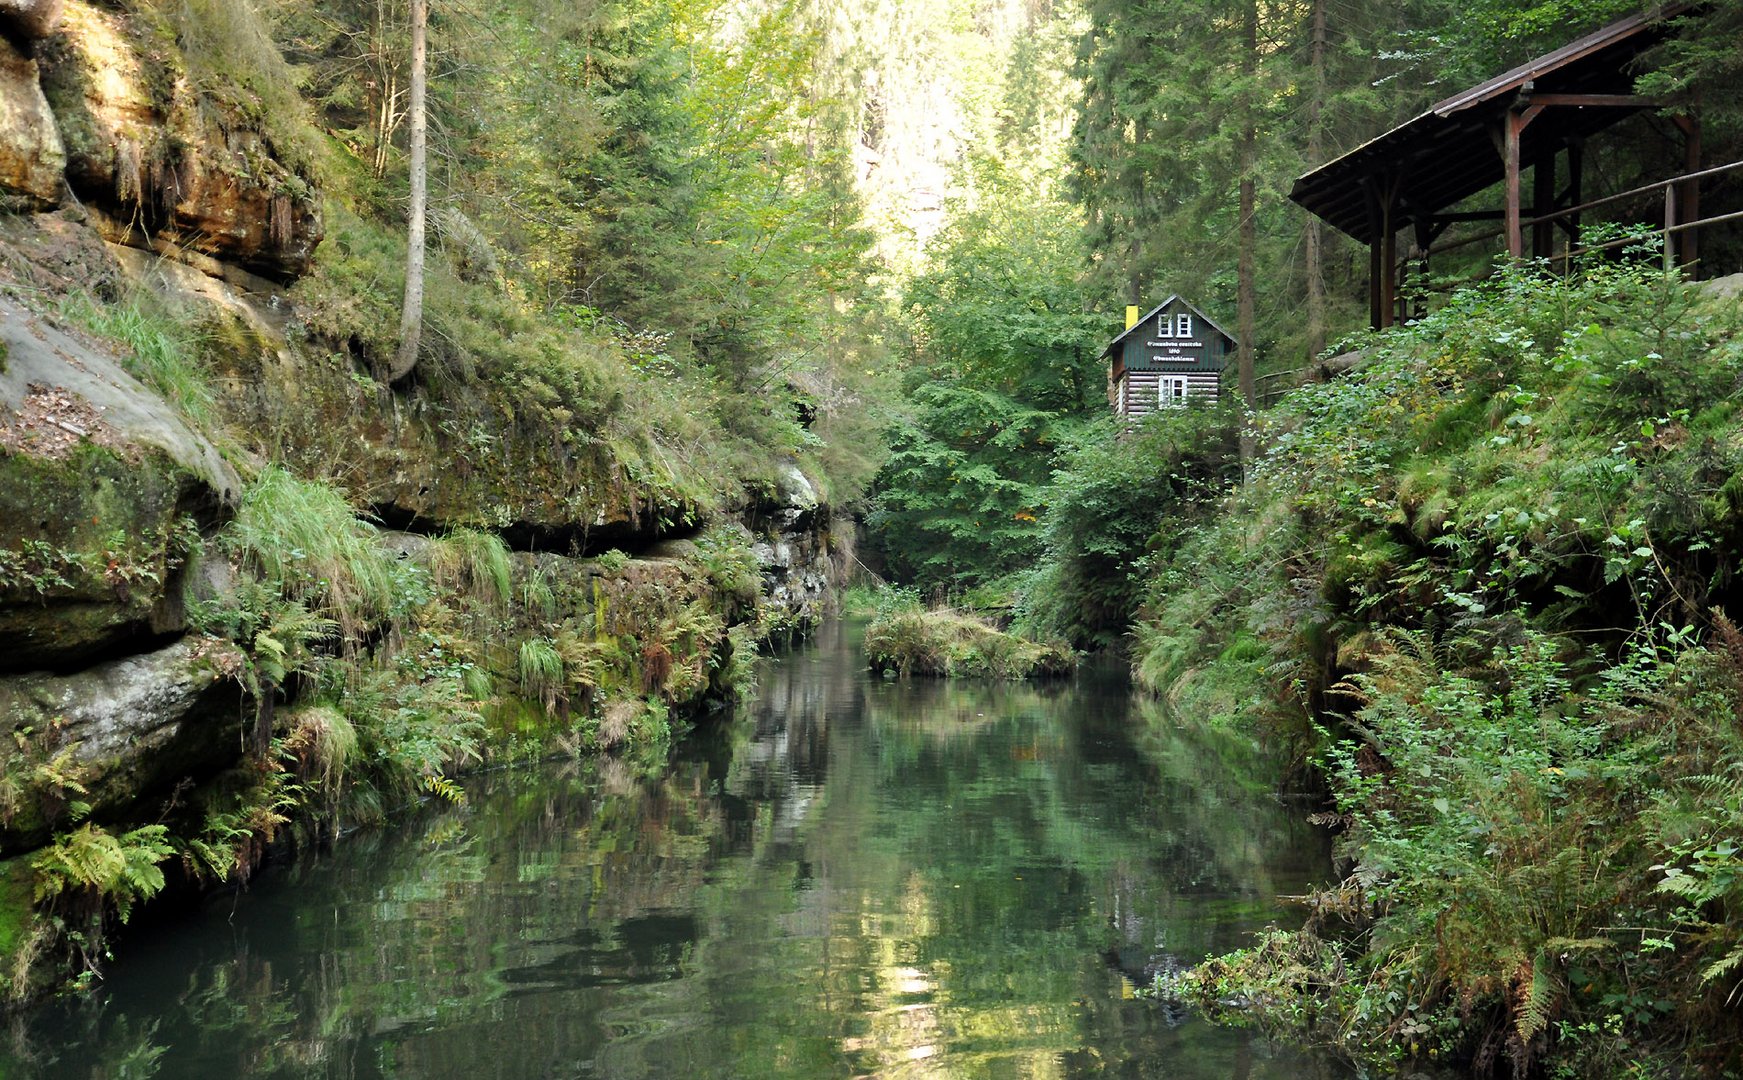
(911, 640)
(475, 563)
(726, 556)
(305, 542)
(1480, 564)
(40, 567)
(1002, 304)
(230, 58)
(960, 497)
(541, 673)
(89, 868)
(1120, 496)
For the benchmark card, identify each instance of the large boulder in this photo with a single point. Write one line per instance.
(161, 165)
(28, 20)
(104, 491)
(32, 160)
(114, 734)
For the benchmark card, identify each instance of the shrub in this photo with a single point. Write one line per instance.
(915, 641)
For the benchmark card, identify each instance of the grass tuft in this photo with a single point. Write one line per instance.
(306, 542)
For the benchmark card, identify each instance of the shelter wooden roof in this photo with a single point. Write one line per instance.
(1450, 152)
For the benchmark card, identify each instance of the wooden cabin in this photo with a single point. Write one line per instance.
(1165, 358)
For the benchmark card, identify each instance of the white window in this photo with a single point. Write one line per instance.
(1170, 390)
(1165, 325)
(1183, 326)
(1121, 407)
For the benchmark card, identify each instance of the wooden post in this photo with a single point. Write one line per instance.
(1576, 170)
(1689, 198)
(1389, 261)
(1513, 126)
(1375, 224)
(1542, 203)
(1510, 165)
(1374, 306)
(1669, 220)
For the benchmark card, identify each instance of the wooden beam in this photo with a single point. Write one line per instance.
(1689, 198)
(1389, 250)
(1372, 199)
(1597, 101)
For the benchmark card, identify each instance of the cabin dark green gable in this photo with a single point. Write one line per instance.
(1171, 354)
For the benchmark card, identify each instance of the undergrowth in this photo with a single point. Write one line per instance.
(378, 669)
(1482, 585)
(908, 639)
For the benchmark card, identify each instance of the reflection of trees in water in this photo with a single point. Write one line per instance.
(848, 875)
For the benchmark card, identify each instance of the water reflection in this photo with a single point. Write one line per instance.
(852, 878)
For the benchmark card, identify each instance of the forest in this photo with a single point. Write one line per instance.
(690, 270)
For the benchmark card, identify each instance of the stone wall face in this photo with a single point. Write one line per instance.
(114, 707)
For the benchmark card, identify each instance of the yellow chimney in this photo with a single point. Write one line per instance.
(1131, 316)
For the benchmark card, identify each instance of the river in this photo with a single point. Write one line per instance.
(846, 877)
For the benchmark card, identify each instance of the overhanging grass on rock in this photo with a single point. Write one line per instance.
(944, 642)
(1481, 583)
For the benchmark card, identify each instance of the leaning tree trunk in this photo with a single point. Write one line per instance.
(412, 315)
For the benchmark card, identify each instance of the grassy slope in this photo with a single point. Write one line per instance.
(1486, 584)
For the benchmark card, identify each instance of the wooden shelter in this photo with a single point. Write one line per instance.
(1525, 118)
(1168, 356)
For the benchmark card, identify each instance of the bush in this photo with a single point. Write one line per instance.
(916, 641)
(1120, 495)
(1469, 580)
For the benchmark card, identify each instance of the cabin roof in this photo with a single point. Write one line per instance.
(1207, 320)
(1449, 153)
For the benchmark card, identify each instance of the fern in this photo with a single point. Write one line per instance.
(445, 789)
(104, 868)
(1532, 1015)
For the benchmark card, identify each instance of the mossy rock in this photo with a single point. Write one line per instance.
(122, 731)
(91, 552)
(943, 642)
(21, 935)
(158, 157)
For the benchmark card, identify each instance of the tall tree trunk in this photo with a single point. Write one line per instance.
(411, 321)
(1246, 286)
(1315, 158)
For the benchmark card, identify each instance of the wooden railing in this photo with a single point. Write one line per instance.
(1670, 227)
(1269, 388)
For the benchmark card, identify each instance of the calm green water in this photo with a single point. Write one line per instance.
(848, 878)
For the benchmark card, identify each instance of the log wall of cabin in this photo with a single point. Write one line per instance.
(1135, 394)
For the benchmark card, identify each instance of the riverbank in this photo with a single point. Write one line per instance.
(843, 876)
(1485, 585)
(252, 592)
